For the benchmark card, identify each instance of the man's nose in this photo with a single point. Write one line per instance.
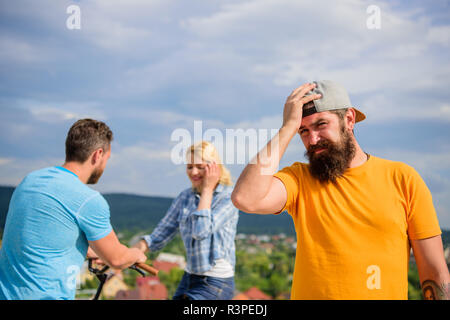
(313, 138)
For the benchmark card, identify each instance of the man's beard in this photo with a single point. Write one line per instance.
(95, 176)
(331, 163)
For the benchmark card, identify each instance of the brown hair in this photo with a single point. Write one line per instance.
(84, 137)
(340, 112)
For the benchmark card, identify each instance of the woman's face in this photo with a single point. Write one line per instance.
(195, 170)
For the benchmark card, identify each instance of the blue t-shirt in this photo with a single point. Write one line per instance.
(51, 217)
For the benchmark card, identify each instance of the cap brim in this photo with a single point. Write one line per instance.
(359, 115)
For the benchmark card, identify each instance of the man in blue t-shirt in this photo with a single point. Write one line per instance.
(54, 217)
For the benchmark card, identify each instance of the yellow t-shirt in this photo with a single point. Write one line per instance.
(353, 235)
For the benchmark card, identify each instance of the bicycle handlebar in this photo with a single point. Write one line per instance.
(147, 268)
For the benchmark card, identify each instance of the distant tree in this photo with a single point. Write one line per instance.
(171, 280)
(278, 284)
(129, 277)
(90, 284)
(414, 288)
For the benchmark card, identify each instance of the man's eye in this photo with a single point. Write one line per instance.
(322, 124)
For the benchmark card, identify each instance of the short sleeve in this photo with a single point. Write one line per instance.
(290, 180)
(94, 218)
(422, 219)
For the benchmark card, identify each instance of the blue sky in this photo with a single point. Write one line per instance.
(148, 67)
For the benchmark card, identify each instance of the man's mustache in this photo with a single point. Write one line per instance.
(319, 145)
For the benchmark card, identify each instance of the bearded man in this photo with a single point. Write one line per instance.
(356, 215)
(54, 218)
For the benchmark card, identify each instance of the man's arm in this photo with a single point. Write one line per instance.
(433, 271)
(257, 190)
(115, 254)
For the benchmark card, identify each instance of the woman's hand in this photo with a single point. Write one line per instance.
(212, 176)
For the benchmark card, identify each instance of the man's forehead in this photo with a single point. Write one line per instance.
(315, 117)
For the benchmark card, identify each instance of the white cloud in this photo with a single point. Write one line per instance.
(5, 161)
(55, 112)
(427, 163)
(294, 42)
(13, 170)
(142, 168)
(141, 153)
(379, 107)
(439, 35)
(18, 50)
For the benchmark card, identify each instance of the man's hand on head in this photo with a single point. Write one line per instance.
(293, 108)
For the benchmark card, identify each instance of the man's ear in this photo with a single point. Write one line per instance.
(96, 156)
(350, 118)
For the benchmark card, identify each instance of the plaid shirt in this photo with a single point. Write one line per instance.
(207, 234)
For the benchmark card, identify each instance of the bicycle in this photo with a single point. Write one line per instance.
(102, 276)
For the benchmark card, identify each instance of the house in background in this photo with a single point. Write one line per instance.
(85, 274)
(148, 288)
(113, 285)
(252, 294)
(170, 258)
(151, 288)
(165, 266)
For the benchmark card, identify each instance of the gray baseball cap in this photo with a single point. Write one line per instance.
(334, 96)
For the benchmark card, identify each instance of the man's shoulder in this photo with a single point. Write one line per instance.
(296, 168)
(38, 180)
(397, 167)
(59, 182)
(48, 171)
(391, 163)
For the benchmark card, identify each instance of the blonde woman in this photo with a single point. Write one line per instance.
(207, 220)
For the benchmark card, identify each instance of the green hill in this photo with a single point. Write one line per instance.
(5, 196)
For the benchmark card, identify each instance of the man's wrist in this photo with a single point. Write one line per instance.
(290, 128)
